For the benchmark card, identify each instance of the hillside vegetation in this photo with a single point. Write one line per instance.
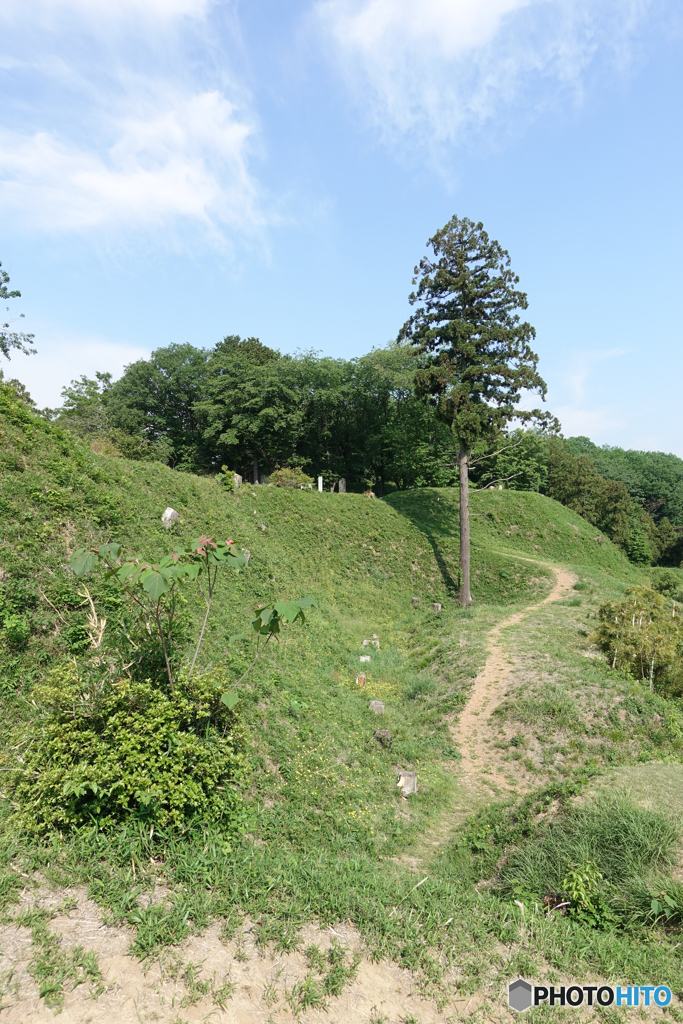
(316, 828)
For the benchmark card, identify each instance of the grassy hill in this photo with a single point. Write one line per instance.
(323, 832)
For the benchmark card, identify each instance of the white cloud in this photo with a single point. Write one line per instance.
(64, 358)
(182, 156)
(440, 67)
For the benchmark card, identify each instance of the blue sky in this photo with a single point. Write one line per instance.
(177, 170)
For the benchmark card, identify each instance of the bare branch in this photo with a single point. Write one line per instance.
(500, 480)
(480, 458)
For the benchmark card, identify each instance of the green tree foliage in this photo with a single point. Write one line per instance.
(155, 400)
(10, 339)
(574, 481)
(519, 461)
(643, 635)
(653, 479)
(479, 357)
(85, 405)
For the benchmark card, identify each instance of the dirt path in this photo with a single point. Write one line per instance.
(479, 766)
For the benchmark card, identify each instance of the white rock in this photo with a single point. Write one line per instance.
(170, 517)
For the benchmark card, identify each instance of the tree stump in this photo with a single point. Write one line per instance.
(383, 737)
(437, 607)
(170, 517)
(361, 680)
(377, 707)
(407, 782)
(416, 602)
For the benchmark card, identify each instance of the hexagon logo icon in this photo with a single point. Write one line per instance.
(519, 995)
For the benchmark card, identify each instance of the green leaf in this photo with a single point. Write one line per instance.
(289, 610)
(230, 699)
(307, 602)
(109, 552)
(239, 636)
(155, 585)
(83, 561)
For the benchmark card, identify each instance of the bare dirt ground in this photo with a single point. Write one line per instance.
(134, 992)
(473, 732)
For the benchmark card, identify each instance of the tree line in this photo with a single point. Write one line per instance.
(438, 406)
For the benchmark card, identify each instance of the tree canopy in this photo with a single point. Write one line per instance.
(10, 339)
(477, 348)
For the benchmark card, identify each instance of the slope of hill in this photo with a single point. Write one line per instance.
(324, 834)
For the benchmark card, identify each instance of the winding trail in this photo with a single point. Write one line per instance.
(478, 766)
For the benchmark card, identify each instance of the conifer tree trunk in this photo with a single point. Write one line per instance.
(464, 596)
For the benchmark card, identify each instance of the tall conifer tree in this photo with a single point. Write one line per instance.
(480, 359)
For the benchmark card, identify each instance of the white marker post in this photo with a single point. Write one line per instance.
(320, 483)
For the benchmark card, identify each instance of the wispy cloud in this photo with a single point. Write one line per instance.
(181, 157)
(442, 67)
(119, 126)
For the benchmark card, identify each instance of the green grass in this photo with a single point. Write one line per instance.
(325, 834)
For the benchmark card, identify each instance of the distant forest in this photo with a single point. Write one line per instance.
(245, 406)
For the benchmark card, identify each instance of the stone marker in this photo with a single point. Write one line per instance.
(320, 483)
(361, 680)
(407, 781)
(247, 555)
(170, 517)
(372, 641)
(238, 480)
(342, 485)
(383, 737)
(437, 607)
(416, 602)
(377, 707)
(365, 657)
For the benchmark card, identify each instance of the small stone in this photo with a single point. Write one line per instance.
(371, 641)
(247, 555)
(365, 657)
(383, 737)
(170, 517)
(437, 607)
(377, 707)
(416, 602)
(407, 781)
(361, 680)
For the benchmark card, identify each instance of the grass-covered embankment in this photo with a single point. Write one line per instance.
(323, 833)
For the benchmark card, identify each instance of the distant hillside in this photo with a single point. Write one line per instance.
(653, 479)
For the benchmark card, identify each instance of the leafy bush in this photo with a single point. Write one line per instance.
(16, 630)
(290, 477)
(104, 753)
(642, 634)
(226, 478)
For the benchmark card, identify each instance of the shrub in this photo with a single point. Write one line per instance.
(16, 630)
(293, 477)
(642, 634)
(591, 856)
(226, 478)
(103, 753)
